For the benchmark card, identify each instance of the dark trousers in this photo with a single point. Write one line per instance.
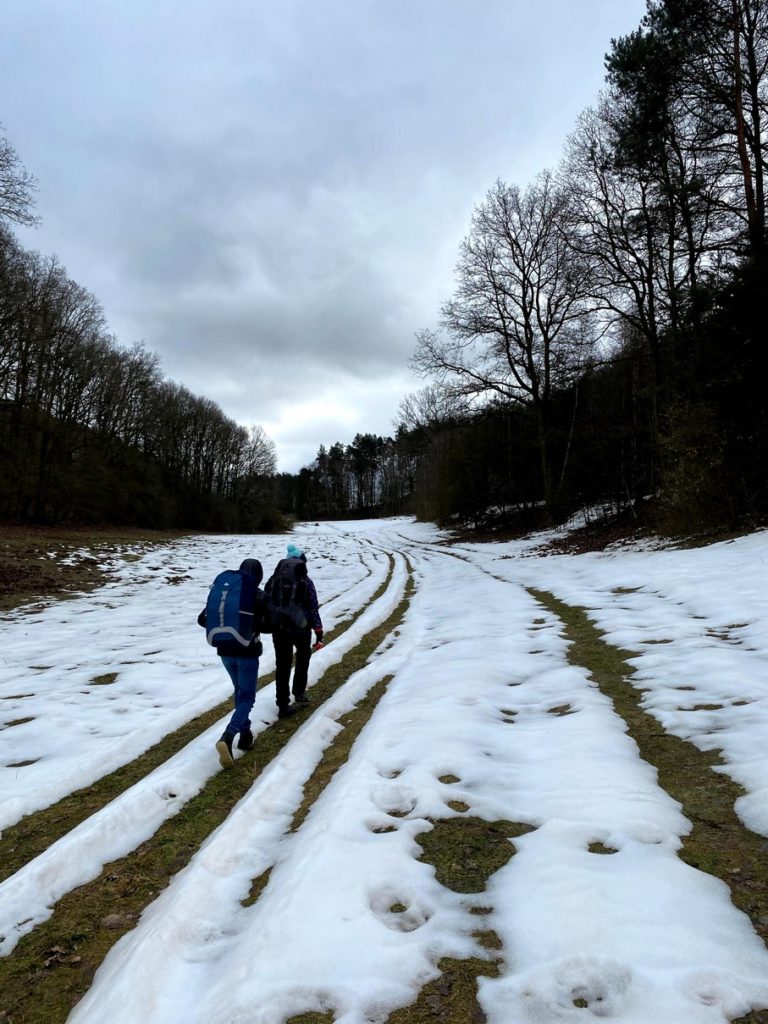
(285, 644)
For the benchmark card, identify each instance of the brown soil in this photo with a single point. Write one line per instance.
(38, 563)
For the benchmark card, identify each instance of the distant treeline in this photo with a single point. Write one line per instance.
(91, 432)
(606, 340)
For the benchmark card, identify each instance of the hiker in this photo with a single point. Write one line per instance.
(240, 657)
(292, 596)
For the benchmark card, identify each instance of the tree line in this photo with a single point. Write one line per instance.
(603, 343)
(90, 431)
(605, 338)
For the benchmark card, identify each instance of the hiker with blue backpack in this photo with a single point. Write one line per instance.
(295, 613)
(232, 616)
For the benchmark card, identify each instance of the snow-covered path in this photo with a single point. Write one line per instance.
(73, 728)
(471, 724)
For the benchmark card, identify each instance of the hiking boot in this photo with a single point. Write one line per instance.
(300, 698)
(286, 712)
(224, 750)
(246, 740)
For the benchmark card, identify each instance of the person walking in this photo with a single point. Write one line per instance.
(241, 663)
(293, 593)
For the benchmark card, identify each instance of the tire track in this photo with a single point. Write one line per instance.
(35, 832)
(718, 844)
(52, 966)
(110, 833)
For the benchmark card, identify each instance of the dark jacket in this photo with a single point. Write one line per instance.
(231, 648)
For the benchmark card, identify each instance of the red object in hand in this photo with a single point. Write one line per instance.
(317, 645)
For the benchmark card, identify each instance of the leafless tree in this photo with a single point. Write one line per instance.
(17, 187)
(520, 321)
(430, 408)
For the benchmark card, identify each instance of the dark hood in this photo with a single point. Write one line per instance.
(253, 567)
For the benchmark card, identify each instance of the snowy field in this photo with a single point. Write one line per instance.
(477, 666)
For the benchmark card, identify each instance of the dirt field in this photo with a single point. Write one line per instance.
(38, 563)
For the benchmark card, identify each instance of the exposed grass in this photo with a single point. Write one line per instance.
(718, 843)
(52, 967)
(17, 721)
(105, 679)
(37, 563)
(465, 852)
(35, 832)
(452, 997)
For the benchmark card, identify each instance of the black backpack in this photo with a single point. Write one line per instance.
(286, 593)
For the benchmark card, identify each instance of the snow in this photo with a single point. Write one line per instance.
(351, 920)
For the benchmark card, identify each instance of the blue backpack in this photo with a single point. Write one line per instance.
(230, 608)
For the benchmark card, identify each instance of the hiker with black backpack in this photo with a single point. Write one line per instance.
(295, 613)
(232, 617)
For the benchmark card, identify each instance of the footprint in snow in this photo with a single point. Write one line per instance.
(397, 911)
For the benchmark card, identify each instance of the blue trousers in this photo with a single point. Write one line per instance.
(244, 673)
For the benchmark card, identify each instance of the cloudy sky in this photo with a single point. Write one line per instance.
(270, 194)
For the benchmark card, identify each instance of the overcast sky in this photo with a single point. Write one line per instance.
(270, 194)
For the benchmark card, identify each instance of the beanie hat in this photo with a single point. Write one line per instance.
(294, 551)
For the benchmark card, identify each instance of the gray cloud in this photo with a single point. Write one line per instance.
(273, 191)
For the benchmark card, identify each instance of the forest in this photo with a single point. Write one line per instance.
(605, 340)
(603, 344)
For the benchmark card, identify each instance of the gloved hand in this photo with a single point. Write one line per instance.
(318, 640)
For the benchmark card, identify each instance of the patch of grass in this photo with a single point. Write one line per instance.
(258, 885)
(452, 997)
(718, 843)
(458, 805)
(105, 679)
(312, 1018)
(465, 852)
(35, 832)
(598, 847)
(37, 564)
(38, 989)
(488, 939)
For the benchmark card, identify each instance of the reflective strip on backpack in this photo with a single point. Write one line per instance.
(224, 596)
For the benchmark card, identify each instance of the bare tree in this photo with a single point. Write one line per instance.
(261, 454)
(17, 187)
(430, 408)
(520, 322)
